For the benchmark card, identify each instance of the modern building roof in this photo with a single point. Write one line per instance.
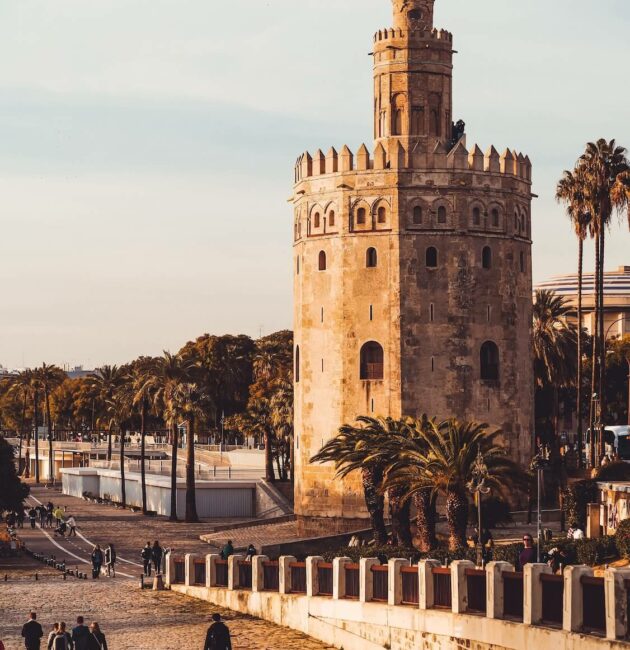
(616, 283)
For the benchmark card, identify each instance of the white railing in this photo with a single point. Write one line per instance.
(163, 468)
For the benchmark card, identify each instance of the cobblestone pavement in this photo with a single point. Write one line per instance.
(132, 619)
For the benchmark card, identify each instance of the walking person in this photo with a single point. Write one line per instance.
(42, 515)
(110, 560)
(146, 556)
(80, 634)
(97, 640)
(97, 561)
(51, 635)
(32, 516)
(49, 514)
(63, 639)
(157, 553)
(32, 633)
(19, 518)
(58, 514)
(218, 636)
(71, 522)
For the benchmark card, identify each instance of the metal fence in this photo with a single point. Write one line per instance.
(271, 576)
(476, 588)
(380, 585)
(325, 578)
(410, 585)
(163, 468)
(552, 598)
(352, 581)
(513, 594)
(442, 590)
(298, 577)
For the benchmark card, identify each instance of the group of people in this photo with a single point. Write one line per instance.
(80, 637)
(108, 558)
(152, 558)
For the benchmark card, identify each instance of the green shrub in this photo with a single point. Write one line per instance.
(507, 553)
(595, 551)
(622, 538)
(576, 499)
(441, 554)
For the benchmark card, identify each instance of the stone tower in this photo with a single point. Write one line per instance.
(412, 272)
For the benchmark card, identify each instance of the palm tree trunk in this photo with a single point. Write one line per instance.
(174, 436)
(602, 334)
(51, 460)
(399, 511)
(109, 442)
(594, 376)
(269, 473)
(579, 350)
(143, 466)
(35, 414)
(425, 503)
(372, 478)
(457, 519)
(22, 427)
(191, 499)
(123, 487)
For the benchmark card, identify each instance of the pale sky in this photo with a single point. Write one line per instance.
(147, 149)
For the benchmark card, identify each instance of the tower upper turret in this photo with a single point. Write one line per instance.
(412, 15)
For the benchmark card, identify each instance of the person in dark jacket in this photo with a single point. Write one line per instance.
(228, 550)
(218, 636)
(157, 552)
(32, 633)
(80, 634)
(32, 515)
(528, 554)
(97, 640)
(97, 561)
(147, 555)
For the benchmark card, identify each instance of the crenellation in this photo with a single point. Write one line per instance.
(319, 163)
(332, 161)
(347, 159)
(492, 161)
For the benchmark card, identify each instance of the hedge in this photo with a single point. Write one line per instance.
(622, 538)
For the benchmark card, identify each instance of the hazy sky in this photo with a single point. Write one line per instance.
(147, 149)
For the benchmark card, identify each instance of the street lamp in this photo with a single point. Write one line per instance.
(539, 463)
(477, 486)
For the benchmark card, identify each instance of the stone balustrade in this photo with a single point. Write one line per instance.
(577, 602)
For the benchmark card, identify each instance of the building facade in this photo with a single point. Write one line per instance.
(616, 299)
(412, 272)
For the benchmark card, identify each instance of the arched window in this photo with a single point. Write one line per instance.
(316, 220)
(476, 216)
(371, 258)
(331, 218)
(361, 215)
(432, 257)
(417, 216)
(372, 361)
(486, 257)
(382, 215)
(495, 218)
(489, 358)
(297, 364)
(322, 261)
(441, 214)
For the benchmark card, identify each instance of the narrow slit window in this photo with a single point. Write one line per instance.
(476, 216)
(331, 218)
(441, 214)
(432, 364)
(431, 312)
(361, 216)
(316, 220)
(486, 257)
(432, 257)
(371, 312)
(371, 258)
(322, 260)
(322, 315)
(522, 261)
(297, 364)
(417, 216)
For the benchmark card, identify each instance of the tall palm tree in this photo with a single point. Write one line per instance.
(441, 457)
(35, 391)
(21, 386)
(50, 378)
(554, 342)
(190, 400)
(282, 417)
(570, 191)
(105, 381)
(119, 409)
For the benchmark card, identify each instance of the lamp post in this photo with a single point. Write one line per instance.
(539, 463)
(477, 486)
(222, 433)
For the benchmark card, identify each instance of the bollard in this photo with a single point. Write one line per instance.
(6, 577)
(142, 581)
(64, 576)
(36, 577)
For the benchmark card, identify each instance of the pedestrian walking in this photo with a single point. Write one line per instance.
(157, 553)
(63, 639)
(10, 519)
(58, 514)
(19, 517)
(218, 636)
(51, 635)
(32, 516)
(110, 561)
(49, 514)
(80, 634)
(42, 515)
(97, 640)
(147, 555)
(32, 633)
(71, 522)
(97, 561)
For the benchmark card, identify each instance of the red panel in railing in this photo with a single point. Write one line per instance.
(410, 586)
(298, 577)
(271, 576)
(594, 604)
(244, 575)
(442, 591)
(352, 581)
(180, 571)
(221, 573)
(200, 572)
(380, 583)
(476, 587)
(325, 577)
(552, 598)
(513, 594)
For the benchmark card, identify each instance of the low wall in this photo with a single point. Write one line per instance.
(348, 616)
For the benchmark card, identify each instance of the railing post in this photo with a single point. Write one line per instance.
(616, 603)
(426, 596)
(366, 579)
(495, 597)
(339, 577)
(169, 574)
(233, 574)
(258, 572)
(189, 569)
(284, 573)
(211, 569)
(459, 585)
(532, 593)
(573, 611)
(394, 580)
(312, 575)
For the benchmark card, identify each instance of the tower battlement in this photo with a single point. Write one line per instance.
(389, 33)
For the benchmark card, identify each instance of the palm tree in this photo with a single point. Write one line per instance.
(21, 384)
(119, 409)
(50, 378)
(553, 341)
(441, 457)
(35, 388)
(350, 450)
(282, 418)
(104, 382)
(189, 399)
(570, 192)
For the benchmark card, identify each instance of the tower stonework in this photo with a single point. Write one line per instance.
(412, 273)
